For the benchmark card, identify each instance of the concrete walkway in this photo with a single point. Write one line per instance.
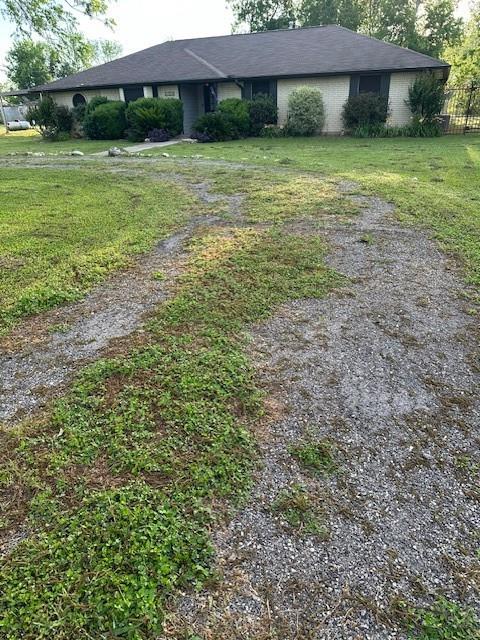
(138, 148)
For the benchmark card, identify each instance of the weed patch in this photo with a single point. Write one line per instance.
(316, 456)
(300, 511)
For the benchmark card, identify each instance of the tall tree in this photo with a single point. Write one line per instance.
(262, 15)
(51, 18)
(32, 63)
(423, 25)
(465, 56)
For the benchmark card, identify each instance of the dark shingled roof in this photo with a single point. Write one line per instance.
(293, 52)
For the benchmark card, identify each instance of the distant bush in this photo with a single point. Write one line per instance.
(272, 131)
(365, 109)
(51, 120)
(262, 111)
(146, 114)
(214, 127)
(426, 97)
(158, 135)
(106, 122)
(238, 112)
(306, 115)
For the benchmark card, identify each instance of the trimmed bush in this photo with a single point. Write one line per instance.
(146, 114)
(306, 115)
(426, 97)
(106, 122)
(237, 110)
(262, 111)
(94, 103)
(51, 120)
(214, 127)
(365, 109)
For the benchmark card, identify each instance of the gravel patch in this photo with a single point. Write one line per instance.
(385, 369)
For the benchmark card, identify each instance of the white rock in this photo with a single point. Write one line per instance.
(76, 152)
(166, 155)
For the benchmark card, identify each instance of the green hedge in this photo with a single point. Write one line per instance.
(146, 114)
(106, 122)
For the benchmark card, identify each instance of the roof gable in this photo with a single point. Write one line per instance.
(330, 49)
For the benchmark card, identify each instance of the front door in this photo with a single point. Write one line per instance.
(209, 97)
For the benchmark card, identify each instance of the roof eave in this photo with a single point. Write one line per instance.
(48, 88)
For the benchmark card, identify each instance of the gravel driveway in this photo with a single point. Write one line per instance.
(385, 370)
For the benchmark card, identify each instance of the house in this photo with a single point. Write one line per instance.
(203, 71)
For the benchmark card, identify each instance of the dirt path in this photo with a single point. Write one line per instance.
(385, 370)
(30, 375)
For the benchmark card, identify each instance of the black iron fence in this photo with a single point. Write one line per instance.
(461, 110)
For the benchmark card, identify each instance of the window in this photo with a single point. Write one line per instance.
(78, 99)
(370, 84)
(260, 87)
(132, 93)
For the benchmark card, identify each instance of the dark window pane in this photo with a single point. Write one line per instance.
(370, 84)
(260, 86)
(78, 99)
(132, 93)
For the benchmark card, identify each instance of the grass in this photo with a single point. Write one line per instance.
(121, 485)
(64, 231)
(317, 456)
(433, 182)
(300, 511)
(31, 141)
(444, 620)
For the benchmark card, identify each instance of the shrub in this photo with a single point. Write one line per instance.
(238, 112)
(106, 122)
(94, 103)
(272, 131)
(364, 109)
(262, 111)
(214, 127)
(50, 119)
(146, 114)
(158, 135)
(306, 115)
(415, 129)
(426, 97)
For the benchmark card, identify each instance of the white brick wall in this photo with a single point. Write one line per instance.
(399, 112)
(334, 91)
(65, 97)
(228, 90)
(168, 91)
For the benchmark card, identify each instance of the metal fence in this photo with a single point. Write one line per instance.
(461, 110)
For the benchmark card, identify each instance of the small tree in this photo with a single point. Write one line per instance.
(50, 119)
(306, 115)
(426, 97)
(364, 110)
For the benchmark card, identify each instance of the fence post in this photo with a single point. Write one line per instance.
(469, 105)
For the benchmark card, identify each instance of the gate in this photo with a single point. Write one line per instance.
(461, 110)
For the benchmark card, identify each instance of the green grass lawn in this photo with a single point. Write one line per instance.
(63, 231)
(433, 182)
(24, 141)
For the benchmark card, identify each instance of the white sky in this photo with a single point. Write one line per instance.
(143, 23)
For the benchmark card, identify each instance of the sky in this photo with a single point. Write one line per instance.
(143, 23)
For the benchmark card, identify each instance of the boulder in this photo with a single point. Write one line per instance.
(76, 152)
